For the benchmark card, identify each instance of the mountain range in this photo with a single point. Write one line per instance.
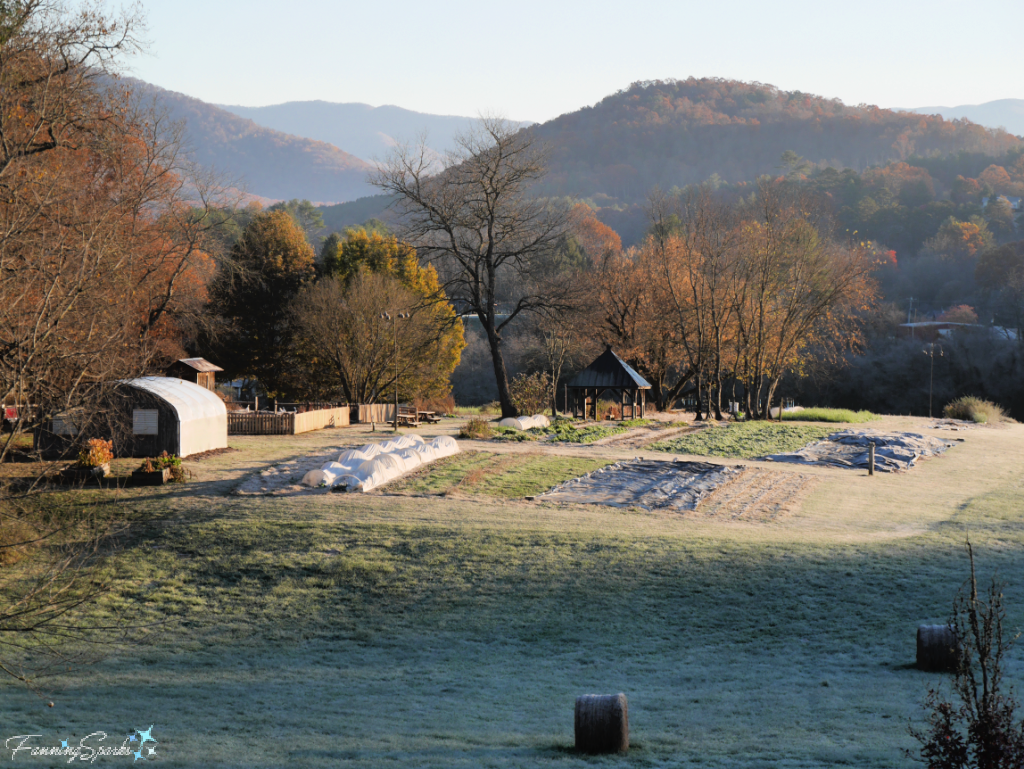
(366, 132)
(264, 162)
(666, 133)
(1001, 113)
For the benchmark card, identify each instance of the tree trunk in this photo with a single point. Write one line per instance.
(500, 373)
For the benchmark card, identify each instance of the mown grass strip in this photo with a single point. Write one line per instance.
(744, 440)
(829, 415)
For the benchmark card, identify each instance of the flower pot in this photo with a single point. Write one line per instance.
(155, 478)
(77, 473)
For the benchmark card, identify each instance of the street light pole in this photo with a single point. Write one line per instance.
(394, 330)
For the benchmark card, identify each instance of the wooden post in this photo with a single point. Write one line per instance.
(871, 459)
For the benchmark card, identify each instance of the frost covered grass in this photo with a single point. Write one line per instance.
(818, 414)
(497, 475)
(744, 439)
(563, 430)
(381, 630)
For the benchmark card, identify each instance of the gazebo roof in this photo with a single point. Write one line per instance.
(610, 371)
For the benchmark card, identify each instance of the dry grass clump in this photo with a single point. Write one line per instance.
(477, 429)
(972, 409)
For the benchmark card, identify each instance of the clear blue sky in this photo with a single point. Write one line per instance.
(536, 59)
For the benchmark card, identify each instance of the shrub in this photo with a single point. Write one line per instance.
(97, 452)
(531, 393)
(438, 405)
(976, 728)
(477, 429)
(971, 409)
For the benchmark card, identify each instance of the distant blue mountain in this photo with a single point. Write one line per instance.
(1001, 113)
(364, 131)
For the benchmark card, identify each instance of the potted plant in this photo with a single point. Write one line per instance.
(150, 473)
(94, 458)
(160, 470)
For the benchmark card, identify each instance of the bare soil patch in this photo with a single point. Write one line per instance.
(757, 495)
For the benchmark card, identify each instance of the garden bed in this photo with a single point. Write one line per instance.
(745, 440)
(647, 484)
(570, 431)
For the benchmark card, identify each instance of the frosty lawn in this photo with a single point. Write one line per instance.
(381, 630)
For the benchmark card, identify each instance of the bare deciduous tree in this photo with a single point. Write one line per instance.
(475, 221)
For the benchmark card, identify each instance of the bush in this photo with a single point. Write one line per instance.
(97, 452)
(531, 393)
(477, 429)
(976, 728)
(444, 406)
(971, 409)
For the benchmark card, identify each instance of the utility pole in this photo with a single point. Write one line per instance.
(394, 331)
(930, 352)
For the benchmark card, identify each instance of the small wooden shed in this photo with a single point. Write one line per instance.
(609, 373)
(144, 417)
(198, 370)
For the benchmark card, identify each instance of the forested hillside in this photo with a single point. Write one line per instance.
(673, 133)
(271, 164)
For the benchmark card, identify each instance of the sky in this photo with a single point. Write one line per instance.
(537, 59)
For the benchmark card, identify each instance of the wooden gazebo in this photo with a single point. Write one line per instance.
(608, 373)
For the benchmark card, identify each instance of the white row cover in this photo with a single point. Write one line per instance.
(525, 423)
(366, 468)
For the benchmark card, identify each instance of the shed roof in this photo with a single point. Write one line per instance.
(199, 364)
(190, 401)
(609, 370)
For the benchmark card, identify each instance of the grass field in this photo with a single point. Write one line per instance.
(744, 439)
(455, 631)
(829, 415)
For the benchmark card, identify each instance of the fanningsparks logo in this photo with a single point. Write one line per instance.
(138, 745)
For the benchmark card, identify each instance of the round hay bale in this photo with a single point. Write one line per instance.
(937, 648)
(602, 723)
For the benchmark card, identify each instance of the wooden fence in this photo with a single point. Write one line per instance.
(376, 412)
(269, 423)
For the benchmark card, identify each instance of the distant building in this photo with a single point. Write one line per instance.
(1015, 203)
(933, 330)
(198, 370)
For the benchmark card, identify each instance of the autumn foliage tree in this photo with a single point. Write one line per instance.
(740, 294)
(272, 260)
(104, 266)
(347, 349)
